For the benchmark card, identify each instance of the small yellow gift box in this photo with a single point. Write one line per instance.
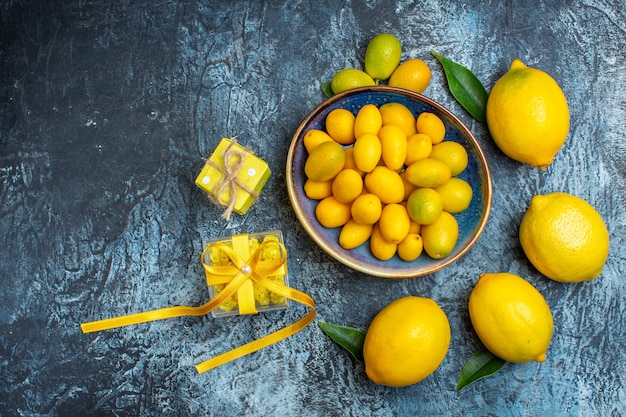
(233, 177)
(251, 297)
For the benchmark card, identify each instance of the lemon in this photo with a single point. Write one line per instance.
(430, 124)
(394, 113)
(564, 237)
(453, 154)
(394, 223)
(393, 146)
(325, 161)
(456, 195)
(340, 126)
(380, 248)
(440, 236)
(316, 190)
(367, 152)
(386, 184)
(347, 185)
(411, 247)
(366, 209)
(527, 115)
(368, 120)
(314, 137)
(418, 146)
(413, 74)
(428, 172)
(349, 78)
(408, 187)
(354, 234)
(424, 205)
(382, 56)
(331, 213)
(406, 342)
(511, 317)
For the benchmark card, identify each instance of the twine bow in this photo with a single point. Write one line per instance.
(233, 162)
(237, 274)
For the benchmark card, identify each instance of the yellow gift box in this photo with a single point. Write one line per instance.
(233, 177)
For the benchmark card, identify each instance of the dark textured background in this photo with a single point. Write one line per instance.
(107, 110)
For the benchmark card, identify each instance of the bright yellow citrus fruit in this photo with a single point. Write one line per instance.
(368, 120)
(564, 237)
(331, 213)
(453, 154)
(511, 317)
(386, 184)
(456, 195)
(418, 146)
(441, 236)
(394, 223)
(428, 172)
(366, 209)
(406, 342)
(527, 115)
(314, 137)
(354, 234)
(394, 113)
(413, 74)
(430, 124)
(424, 205)
(340, 126)
(347, 185)
(367, 152)
(411, 247)
(325, 161)
(318, 190)
(382, 56)
(380, 248)
(393, 146)
(350, 78)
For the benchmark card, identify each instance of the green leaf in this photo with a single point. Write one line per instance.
(465, 87)
(327, 90)
(347, 337)
(481, 365)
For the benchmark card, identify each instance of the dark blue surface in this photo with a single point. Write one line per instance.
(107, 111)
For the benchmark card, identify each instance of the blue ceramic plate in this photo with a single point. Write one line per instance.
(471, 221)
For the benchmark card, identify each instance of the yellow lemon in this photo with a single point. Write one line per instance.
(393, 146)
(453, 154)
(424, 205)
(430, 124)
(350, 163)
(325, 161)
(331, 213)
(511, 317)
(394, 223)
(367, 152)
(347, 185)
(408, 187)
(428, 172)
(413, 74)
(382, 56)
(411, 247)
(564, 237)
(350, 78)
(340, 126)
(386, 184)
(527, 115)
(354, 234)
(440, 236)
(316, 190)
(366, 209)
(367, 120)
(456, 195)
(380, 248)
(418, 146)
(406, 342)
(314, 137)
(394, 113)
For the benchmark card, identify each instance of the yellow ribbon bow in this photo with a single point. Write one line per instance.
(237, 275)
